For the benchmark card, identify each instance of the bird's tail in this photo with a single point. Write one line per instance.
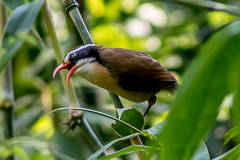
(171, 88)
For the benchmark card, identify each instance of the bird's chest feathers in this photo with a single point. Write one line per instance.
(96, 74)
(100, 76)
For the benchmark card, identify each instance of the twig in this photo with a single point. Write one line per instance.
(209, 5)
(137, 141)
(99, 113)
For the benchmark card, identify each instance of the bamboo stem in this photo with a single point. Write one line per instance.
(137, 141)
(71, 7)
(86, 37)
(7, 99)
(69, 90)
(7, 104)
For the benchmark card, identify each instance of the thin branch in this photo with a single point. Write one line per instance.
(209, 5)
(99, 113)
(137, 141)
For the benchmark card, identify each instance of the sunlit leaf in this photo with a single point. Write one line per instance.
(100, 151)
(131, 116)
(19, 152)
(230, 134)
(20, 20)
(210, 77)
(43, 127)
(4, 152)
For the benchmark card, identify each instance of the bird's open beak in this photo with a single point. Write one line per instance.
(70, 66)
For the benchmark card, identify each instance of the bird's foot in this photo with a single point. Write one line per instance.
(74, 119)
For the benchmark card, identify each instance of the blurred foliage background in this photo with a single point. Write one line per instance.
(172, 33)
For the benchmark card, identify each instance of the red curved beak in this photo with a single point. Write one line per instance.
(69, 66)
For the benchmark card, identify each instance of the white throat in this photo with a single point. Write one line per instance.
(84, 66)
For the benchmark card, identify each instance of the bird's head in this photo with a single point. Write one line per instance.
(76, 58)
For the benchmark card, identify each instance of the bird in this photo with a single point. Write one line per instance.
(131, 74)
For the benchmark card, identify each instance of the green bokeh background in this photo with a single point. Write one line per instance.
(169, 32)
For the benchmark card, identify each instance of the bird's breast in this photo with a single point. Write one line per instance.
(100, 76)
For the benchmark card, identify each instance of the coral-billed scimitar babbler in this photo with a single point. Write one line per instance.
(131, 74)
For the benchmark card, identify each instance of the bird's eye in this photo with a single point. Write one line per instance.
(73, 55)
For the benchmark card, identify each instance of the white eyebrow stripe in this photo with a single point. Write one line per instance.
(80, 48)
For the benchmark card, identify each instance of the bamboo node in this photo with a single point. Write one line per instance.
(6, 104)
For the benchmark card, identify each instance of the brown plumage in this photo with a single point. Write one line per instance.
(147, 75)
(131, 74)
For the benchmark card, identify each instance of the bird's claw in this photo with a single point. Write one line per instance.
(73, 120)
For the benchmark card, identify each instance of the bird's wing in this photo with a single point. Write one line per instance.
(137, 71)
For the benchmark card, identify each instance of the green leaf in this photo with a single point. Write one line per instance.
(230, 134)
(20, 20)
(12, 4)
(236, 104)
(210, 77)
(155, 131)
(100, 151)
(131, 116)
(232, 154)
(19, 152)
(4, 152)
(127, 150)
(201, 153)
(236, 113)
